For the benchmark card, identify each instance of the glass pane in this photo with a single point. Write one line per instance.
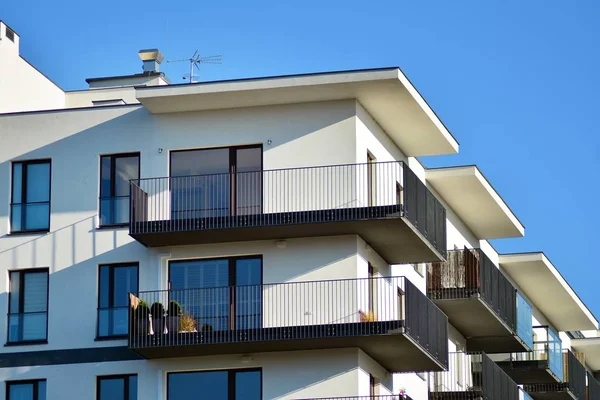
(125, 281)
(15, 279)
(17, 182)
(34, 326)
(104, 289)
(126, 168)
(133, 387)
(248, 385)
(112, 389)
(36, 292)
(42, 390)
(38, 182)
(113, 322)
(206, 385)
(15, 223)
(105, 173)
(248, 305)
(37, 216)
(22, 391)
(249, 181)
(200, 162)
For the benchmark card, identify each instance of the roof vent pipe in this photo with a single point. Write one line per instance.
(151, 59)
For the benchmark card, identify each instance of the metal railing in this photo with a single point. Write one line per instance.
(371, 397)
(472, 374)
(287, 196)
(470, 272)
(547, 346)
(593, 391)
(27, 326)
(574, 379)
(286, 311)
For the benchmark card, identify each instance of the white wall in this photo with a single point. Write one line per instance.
(285, 375)
(85, 98)
(22, 87)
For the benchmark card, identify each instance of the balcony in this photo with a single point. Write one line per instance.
(480, 302)
(572, 386)
(472, 376)
(384, 203)
(388, 318)
(593, 389)
(372, 397)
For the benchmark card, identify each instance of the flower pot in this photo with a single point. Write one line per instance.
(172, 324)
(158, 325)
(142, 325)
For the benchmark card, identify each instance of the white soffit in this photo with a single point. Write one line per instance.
(475, 201)
(386, 94)
(591, 348)
(548, 290)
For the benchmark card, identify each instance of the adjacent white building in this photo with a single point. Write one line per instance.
(269, 238)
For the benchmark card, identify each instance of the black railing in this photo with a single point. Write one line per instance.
(470, 272)
(286, 311)
(593, 392)
(472, 376)
(371, 397)
(287, 196)
(573, 380)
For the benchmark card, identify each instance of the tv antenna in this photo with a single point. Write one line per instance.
(195, 62)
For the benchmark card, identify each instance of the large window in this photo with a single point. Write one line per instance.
(28, 306)
(30, 199)
(114, 285)
(115, 173)
(26, 390)
(117, 387)
(228, 295)
(244, 384)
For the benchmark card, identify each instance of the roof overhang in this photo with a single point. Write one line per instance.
(591, 348)
(550, 293)
(386, 94)
(475, 201)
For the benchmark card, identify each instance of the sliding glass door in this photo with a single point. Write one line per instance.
(216, 182)
(221, 294)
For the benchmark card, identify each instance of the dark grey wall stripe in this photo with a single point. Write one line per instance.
(72, 356)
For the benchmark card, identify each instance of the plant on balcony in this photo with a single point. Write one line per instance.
(187, 323)
(368, 316)
(141, 319)
(157, 310)
(174, 313)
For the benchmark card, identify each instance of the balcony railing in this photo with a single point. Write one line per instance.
(593, 392)
(472, 376)
(547, 347)
(288, 312)
(293, 196)
(573, 379)
(372, 397)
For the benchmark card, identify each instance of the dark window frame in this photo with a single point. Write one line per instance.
(113, 158)
(111, 289)
(10, 34)
(125, 377)
(23, 203)
(34, 382)
(230, 378)
(21, 304)
(232, 170)
(232, 278)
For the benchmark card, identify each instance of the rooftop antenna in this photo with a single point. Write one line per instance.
(195, 62)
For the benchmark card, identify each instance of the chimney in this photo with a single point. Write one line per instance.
(151, 59)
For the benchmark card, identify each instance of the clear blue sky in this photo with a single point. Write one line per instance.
(516, 81)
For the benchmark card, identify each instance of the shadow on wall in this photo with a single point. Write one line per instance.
(334, 380)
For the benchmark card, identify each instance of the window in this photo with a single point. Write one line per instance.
(30, 201)
(245, 384)
(231, 297)
(114, 285)
(28, 306)
(115, 173)
(117, 387)
(10, 34)
(26, 390)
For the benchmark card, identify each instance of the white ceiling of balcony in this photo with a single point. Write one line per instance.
(550, 293)
(468, 193)
(591, 348)
(386, 93)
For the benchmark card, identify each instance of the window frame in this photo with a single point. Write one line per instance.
(24, 164)
(125, 377)
(34, 382)
(230, 382)
(21, 301)
(113, 158)
(111, 291)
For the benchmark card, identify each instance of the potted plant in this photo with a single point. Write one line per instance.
(173, 315)
(141, 318)
(158, 318)
(187, 323)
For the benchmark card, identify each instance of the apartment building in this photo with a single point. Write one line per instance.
(269, 238)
